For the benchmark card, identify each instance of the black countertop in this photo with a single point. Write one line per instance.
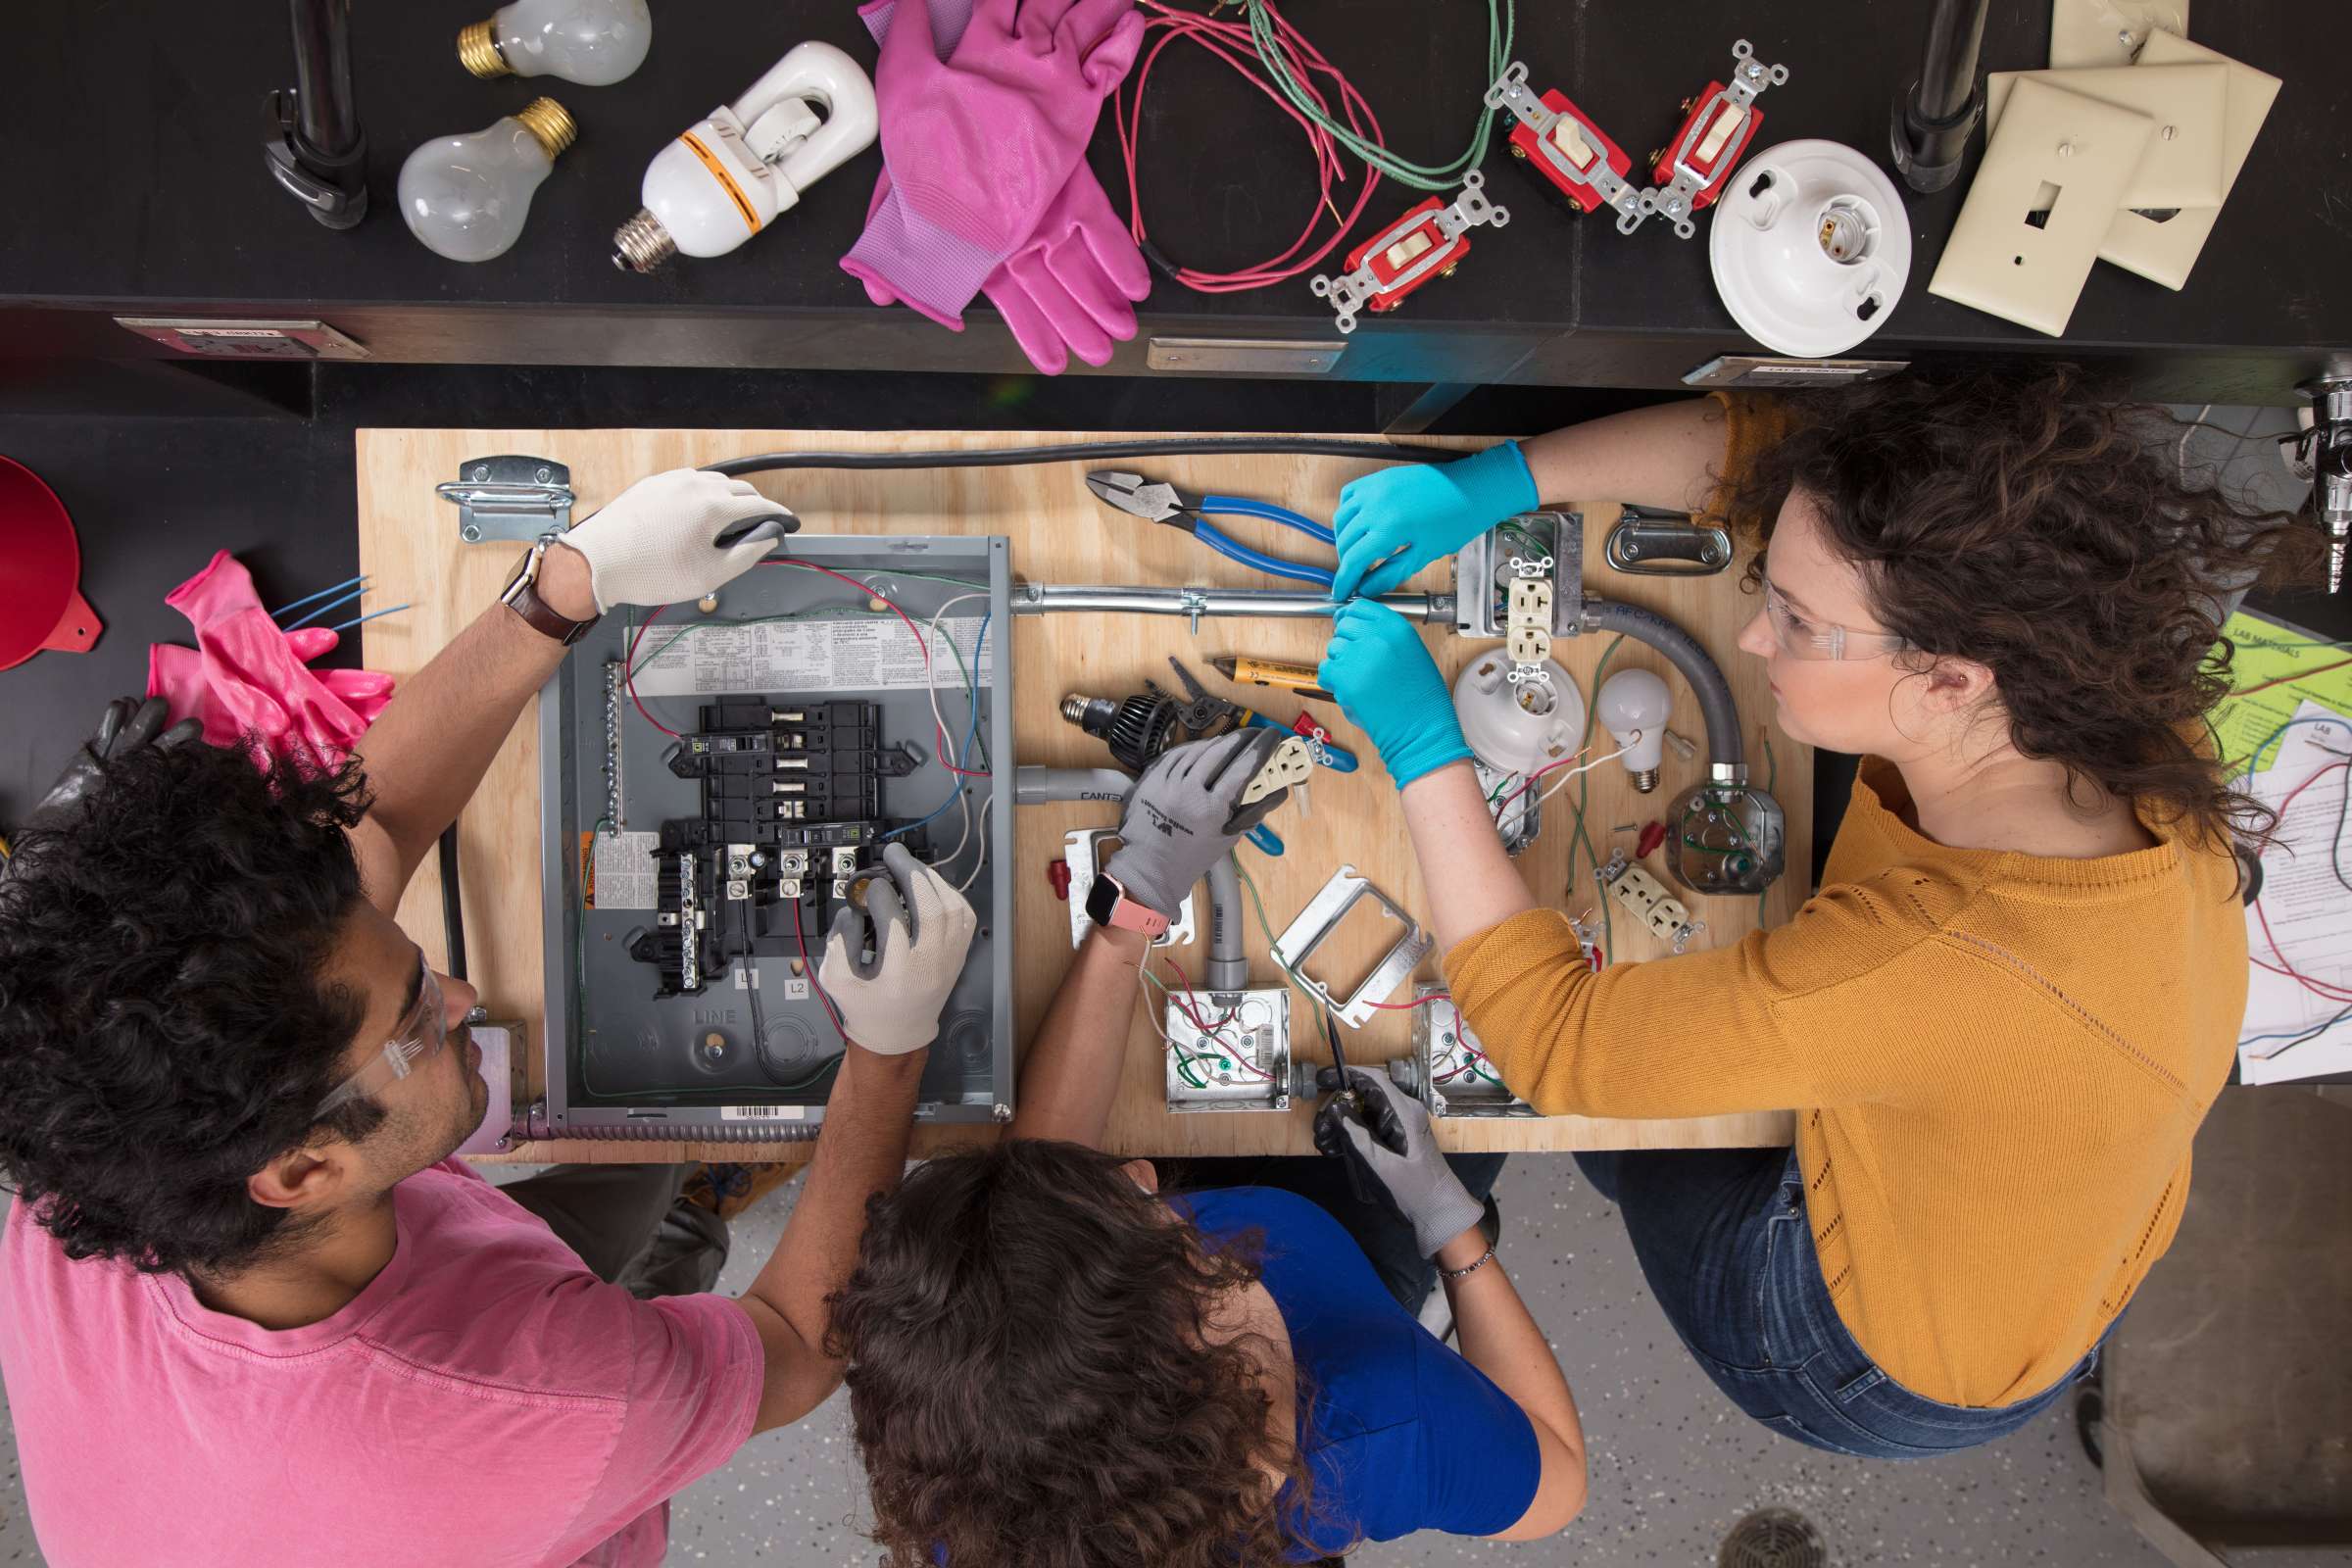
(134, 141)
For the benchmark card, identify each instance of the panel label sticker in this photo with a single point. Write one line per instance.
(866, 654)
(762, 1113)
(620, 869)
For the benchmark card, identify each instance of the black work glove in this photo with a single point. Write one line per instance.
(126, 726)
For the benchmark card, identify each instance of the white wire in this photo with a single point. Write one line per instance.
(930, 671)
(1581, 768)
(963, 800)
(974, 875)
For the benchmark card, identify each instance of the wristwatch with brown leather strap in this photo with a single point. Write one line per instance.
(522, 597)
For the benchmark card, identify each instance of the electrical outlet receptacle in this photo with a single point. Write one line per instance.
(1289, 765)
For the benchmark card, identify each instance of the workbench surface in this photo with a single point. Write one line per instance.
(138, 159)
(408, 543)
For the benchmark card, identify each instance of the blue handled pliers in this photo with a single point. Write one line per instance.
(1136, 496)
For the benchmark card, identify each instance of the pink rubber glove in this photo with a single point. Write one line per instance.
(1071, 288)
(979, 144)
(245, 676)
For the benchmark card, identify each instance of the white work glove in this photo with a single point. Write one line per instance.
(658, 542)
(890, 1006)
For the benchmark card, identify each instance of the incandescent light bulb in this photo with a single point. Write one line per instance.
(1634, 705)
(466, 197)
(593, 42)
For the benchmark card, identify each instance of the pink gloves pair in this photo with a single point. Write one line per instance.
(985, 114)
(245, 676)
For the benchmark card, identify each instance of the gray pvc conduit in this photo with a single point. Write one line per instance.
(1683, 652)
(1228, 966)
(1038, 598)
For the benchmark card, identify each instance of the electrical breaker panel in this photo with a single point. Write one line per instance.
(715, 797)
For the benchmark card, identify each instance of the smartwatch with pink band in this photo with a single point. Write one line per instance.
(1108, 904)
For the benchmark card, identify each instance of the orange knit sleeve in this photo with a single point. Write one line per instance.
(1768, 1023)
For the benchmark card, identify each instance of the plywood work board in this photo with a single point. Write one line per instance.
(409, 545)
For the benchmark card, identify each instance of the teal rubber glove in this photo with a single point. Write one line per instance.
(1392, 524)
(1389, 688)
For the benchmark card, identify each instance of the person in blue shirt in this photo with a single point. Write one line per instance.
(1054, 1366)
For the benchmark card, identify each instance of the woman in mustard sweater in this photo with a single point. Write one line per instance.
(2007, 1009)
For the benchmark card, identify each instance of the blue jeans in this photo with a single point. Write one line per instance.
(1726, 1246)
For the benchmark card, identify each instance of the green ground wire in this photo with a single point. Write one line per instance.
(1584, 795)
(1500, 24)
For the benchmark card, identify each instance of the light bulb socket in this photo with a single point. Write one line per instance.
(478, 52)
(642, 244)
(551, 123)
(1646, 780)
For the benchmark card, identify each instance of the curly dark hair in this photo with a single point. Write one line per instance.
(163, 1030)
(2037, 526)
(1031, 1383)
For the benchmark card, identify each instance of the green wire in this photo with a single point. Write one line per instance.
(1584, 795)
(1500, 25)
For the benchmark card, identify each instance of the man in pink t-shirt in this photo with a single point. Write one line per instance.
(251, 1310)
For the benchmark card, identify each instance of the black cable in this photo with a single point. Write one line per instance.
(2312, 1035)
(1075, 451)
(750, 978)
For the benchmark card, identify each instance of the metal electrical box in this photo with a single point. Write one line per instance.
(684, 877)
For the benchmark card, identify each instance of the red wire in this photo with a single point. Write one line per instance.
(1529, 782)
(1231, 42)
(924, 648)
(628, 673)
(1417, 1002)
(2300, 674)
(1207, 1029)
(2318, 988)
(630, 667)
(801, 936)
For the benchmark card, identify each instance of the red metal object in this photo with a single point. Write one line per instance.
(1408, 254)
(1526, 145)
(1057, 872)
(1711, 167)
(41, 607)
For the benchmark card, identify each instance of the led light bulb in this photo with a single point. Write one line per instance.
(466, 197)
(1634, 705)
(593, 42)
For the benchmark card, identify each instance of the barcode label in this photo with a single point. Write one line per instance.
(762, 1113)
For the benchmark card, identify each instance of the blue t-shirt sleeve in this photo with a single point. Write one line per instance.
(1479, 1460)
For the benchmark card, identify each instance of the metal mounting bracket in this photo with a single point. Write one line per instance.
(1324, 914)
(1081, 849)
(509, 497)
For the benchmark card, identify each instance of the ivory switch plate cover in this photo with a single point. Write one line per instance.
(2106, 32)
(2163, 252)
(2183, 166)
(2050, 185)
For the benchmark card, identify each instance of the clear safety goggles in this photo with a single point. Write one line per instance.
(425, 1031)
(1800, 638)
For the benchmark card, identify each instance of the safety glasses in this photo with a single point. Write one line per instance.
(425, 1031)
(1801, 638)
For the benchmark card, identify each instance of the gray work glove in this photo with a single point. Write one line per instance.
(891, 1005)
(1186, 812)
(126, 726)
(1384, 1134)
